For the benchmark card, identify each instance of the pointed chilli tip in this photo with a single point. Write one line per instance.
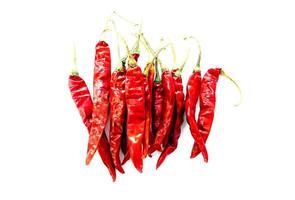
(193, 154)
(159, 162)
(120, 168)
(89, 158)
(154, 148)
(139, 168)
(87, 162)
(114, 177)
(206, 159)
(158, 165)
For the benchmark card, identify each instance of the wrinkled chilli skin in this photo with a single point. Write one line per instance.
(135, 100)
(83, 101)
(101, 87)
(148, 107)
(207, 105)
(117, 115)
(124, 141)
(82, 98)
(157, 107)
(177, 120)
(168, 108)
(192, 94)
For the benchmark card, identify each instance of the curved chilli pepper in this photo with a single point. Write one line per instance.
(192, 94)
(135, 101)
(168, 108)
(117, 114)
(82, 98)
(207, 105)
(101, 86)
(83, 101)
(149, 72)
(177, 121)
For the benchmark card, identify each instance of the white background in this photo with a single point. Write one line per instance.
(43, 141)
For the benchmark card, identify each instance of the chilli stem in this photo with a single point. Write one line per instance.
(236, 84)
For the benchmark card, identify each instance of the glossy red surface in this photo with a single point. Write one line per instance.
(167, 114)
(192, 93)
(135, 100)
(207, 105)
(101, 87)
(177, 120)
(83, 101)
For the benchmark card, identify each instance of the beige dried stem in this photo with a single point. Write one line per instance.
(197, 67)
(74, 70)
(222, 73)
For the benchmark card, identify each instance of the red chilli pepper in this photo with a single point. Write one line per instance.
(157, 106)
(149, 72)
(117, 114)
(207, 106)
(135, 100)
(167, 114)
(124, 137)
(83, 101)
(101, 86)
(177, 121)
(208, 102)
(157, 103)
(192, 94)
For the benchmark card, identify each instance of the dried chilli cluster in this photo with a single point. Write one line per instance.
(145, 108)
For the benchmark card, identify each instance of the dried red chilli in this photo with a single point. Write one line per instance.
(157, 98)
(81, 97)
(157, 104)
(167, 114)
(83, 101)
(101, 86)
(117, 114)
(135, 55)
(207, 104)
(173, 71)
(138, 133)
(149, 72)
(124, 141)
(192, 94)
(118, 109)
(135, 100)
(177, 121)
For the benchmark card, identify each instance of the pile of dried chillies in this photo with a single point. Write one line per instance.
(146, 108)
